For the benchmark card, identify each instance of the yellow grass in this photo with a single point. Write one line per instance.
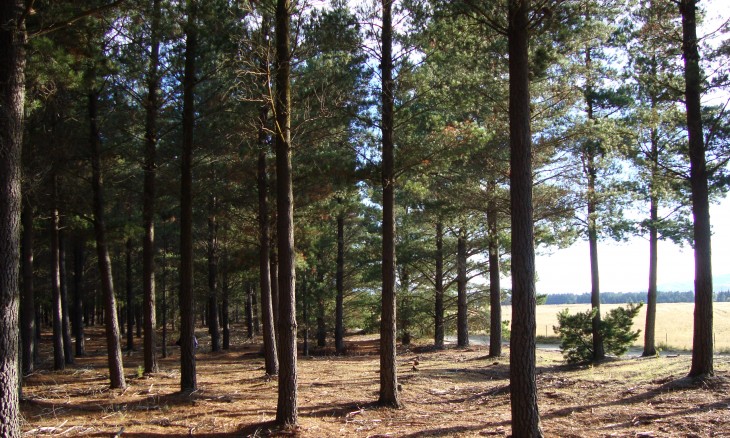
(673, 323)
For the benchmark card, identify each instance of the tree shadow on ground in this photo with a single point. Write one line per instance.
(664, 387)
(340, 411)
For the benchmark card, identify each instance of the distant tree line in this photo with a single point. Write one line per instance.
(632, 297)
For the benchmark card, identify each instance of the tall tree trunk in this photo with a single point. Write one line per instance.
(255, 311)
(78, 322)
(130, 296)
(148, 198)
(59, 362)
(438, 340)
(12, 95)
(649, 328)
(495, 293)
(321, 327)
(27, 304)
(225, 323)
(523, 387)
(340, 286)
(589, 168)
(114, 350)
(462, 317)
(248, 308)
(267, 315)
(388, 372)
(213, 329)
(68, 351)
(702, 340)
(286, 408)
(164, 296)
(274, 282)
(305, 317)
(405, 310)
(188, 378)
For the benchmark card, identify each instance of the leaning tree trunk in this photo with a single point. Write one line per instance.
(59, 362)
(339, 284)
(523, 386)
(188, 378)
(388, 372)
(462, 316)
(12, 95)
(68, 351)
(495, 294)
(114, 350)
(702, 340)
(267, 315)
(439, 286)
(78, 321)
(148, 196)
(286, 409)
(27, 304)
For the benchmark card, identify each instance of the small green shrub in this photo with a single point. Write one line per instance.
(576, 332)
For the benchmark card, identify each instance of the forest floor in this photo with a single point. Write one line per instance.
(453, 392)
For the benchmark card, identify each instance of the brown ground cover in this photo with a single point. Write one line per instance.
(455, 392)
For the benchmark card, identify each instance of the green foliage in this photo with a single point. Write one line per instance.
(576, 332)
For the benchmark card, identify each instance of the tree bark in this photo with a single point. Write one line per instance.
(267, 314)
(12, 95)
(68, 351)
(462, 317)
(702, 340)
(225, 323)
(649, 328)
(164, 296)
(321, 327)
(388, 372)
(495, 292)
(274, 282)
(188, 378)
(523, 386)
(148, 198)
(340, 286)
(248, 308)
(78, 323)
(589, 167)
(59, 362)
(213, 321)
(27, 303)
(286, 409)
(439, 282)
(114, 350)
(255, 311)
(305, 317)
(130, 296)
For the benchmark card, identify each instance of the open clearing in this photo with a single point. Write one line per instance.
(455, 392)
(674, 322)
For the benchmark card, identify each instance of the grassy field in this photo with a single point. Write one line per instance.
(673, 327)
